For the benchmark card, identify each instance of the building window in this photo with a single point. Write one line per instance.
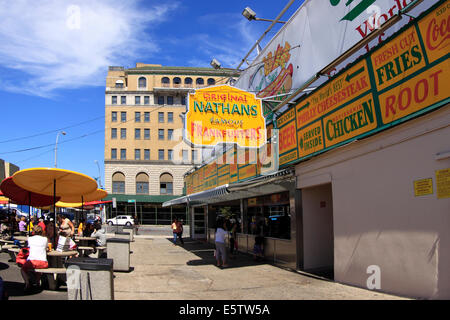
(137, 134)
(114, 154)
(119, 84)
(146, 134)
(123, 116)
(165, 81)
(194, 155)
(166, 184)
(137, 117)
(123, 100)
(146, 154)
(146, 116)
(200, 81)
(123, 154)
(118, 182)
(142, 82)
(137, 100)
(160, 154)
(137, 154)
(160, 100)
(123, 133)
(113, 133)
(176, 81)
(142, 183)
(114, 116)
(183, 100)
(146, 100)
(161, 117)
(269, 215)
(185, 155)
(170, 134)
(170, 117)
(114, 100)
(160, 134)
(170, 100)
(188, 81)
(211, 82)
(169, 154)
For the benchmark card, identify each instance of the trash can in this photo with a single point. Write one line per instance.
(129, 230)
(122, 235)
(89, 279)
(119, 250)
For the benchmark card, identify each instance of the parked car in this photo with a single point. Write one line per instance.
(121, 221)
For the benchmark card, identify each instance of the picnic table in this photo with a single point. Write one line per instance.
(84, 241)
(21, 238)
(56, 269)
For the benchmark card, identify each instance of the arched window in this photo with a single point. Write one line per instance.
(142, 82)
(118, 182)
(188, 81)
(166, 183)
(119, 84)
(142, 183)
(211, 82)
(176, 81)
(200, 81)
(165, 82)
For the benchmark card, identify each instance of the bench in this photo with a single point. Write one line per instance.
(84, 250)
(52, 276)
(100, 251)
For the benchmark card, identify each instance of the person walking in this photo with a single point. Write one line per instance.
(179, 231)
(174, 227)
(221, 250)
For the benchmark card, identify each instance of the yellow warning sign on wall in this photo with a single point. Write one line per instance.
(423, 187)
(443, 183)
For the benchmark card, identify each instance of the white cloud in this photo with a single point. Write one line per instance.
(69, 44)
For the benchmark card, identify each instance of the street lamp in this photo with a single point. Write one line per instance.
(99, 174)
(215, 64)
(56, 143)
(251, 15)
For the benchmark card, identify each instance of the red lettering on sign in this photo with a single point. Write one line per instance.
(437, 34)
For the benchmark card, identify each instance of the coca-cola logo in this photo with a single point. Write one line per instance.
(438, 33)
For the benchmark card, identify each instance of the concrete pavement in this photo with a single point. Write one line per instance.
(162, 271)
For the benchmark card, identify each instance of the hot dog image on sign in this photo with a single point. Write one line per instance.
(224, 114)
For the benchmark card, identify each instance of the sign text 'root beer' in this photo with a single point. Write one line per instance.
(224, 114)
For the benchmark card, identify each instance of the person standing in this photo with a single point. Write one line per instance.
(179, 231)
(221, 250)
(22, 225)
(66, 228)
(174, 227)
(233, 237)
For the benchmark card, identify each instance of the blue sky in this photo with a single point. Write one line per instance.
(54, 57)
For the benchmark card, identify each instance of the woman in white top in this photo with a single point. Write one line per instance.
(37, 259)
(221, 250)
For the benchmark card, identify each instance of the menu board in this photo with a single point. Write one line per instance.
(407, 75)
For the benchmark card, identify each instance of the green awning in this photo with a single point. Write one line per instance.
(140, 197)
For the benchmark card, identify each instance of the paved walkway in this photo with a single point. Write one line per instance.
(162, 271)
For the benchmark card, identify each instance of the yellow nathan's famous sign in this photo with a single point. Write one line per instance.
(224, 114)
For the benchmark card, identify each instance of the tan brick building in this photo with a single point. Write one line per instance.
(145, 155)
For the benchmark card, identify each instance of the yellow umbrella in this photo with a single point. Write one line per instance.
(85, 197)
(61, 204)
(53, 181)
(56, 182)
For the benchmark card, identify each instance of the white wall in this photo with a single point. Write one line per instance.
(377, 218)
(317, 227)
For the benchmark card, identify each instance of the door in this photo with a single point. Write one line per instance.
(318, 237)
(199, 222)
